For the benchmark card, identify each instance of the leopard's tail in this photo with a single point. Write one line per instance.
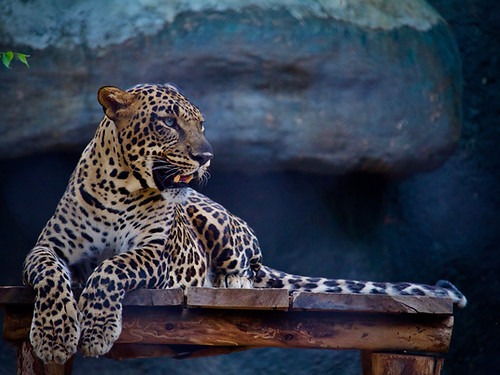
(267, 277)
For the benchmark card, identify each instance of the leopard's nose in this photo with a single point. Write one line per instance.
(201, 151)
(202, 158)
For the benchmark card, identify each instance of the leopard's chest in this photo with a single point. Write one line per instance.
(89, 233)
(157, 224)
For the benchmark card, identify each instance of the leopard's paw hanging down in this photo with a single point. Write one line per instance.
(100, 326)
(55, 332)
(55, 326)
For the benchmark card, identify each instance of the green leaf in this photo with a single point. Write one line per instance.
(22, 57)
(7, 58)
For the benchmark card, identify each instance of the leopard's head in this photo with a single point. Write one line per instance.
(160, 134)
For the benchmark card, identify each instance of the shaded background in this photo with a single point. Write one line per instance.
(430, 225)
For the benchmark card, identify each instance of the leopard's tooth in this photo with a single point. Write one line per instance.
(177, 178)
(189, 178)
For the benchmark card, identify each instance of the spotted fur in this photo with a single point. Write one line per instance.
(128, 220)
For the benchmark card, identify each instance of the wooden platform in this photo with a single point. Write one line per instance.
(395, 334)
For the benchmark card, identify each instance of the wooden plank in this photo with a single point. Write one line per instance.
(17, 317)
(307, 301)
(154, 297)
(23, 295)
(161, 325)
(396, 364)
(16, 295)
(378, 332)
(247, 299)
(261, 299)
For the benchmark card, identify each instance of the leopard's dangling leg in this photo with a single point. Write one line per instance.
(101, 300)
(55, 327)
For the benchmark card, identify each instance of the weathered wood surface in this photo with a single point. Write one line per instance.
(22, 295)
(262, 299)
(16, 295)
(307, 301)
(256, 318)
(163, 325)
(286, 329)
(246, 299)
(153, 297)
(397, 364)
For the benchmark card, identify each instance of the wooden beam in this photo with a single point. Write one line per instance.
(307, 301)
(23, 295)
(16, 295)
(247, 299)
(214, 327)
(154, 297)
(163, 325)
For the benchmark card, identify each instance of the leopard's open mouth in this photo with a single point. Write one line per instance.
(165, 179)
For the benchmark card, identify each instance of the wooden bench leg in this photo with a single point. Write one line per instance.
(400, 364)
(29, 364)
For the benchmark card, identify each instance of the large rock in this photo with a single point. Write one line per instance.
(336, 87)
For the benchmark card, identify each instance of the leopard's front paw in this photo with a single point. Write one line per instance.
(101, 325)
(55, 328)
(233, 281)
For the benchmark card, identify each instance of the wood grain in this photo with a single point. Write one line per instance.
(154, 297)
(286, 329)
(247, 299)
(397, 364)
(23, 295)
(16, 295)
(307, 301)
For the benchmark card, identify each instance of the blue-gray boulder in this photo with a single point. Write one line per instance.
(323, 86)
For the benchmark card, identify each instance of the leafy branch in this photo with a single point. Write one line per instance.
(8, 56)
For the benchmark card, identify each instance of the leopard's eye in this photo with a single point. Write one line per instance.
(170, 121)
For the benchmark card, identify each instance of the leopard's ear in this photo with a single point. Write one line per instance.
(114, 101)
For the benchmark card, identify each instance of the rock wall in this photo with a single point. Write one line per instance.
(328, 87)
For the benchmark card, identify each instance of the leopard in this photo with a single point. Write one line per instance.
(130, 218)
